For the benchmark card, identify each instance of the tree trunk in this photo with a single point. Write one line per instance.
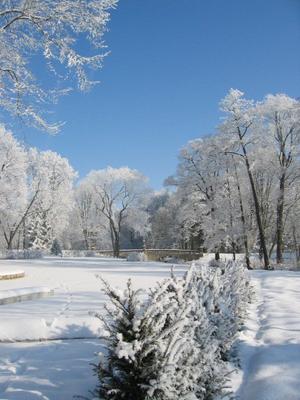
(296, 247)
(233, 251)
(85, 235)
(115, 239)
(117, 248)
(10, 242)
(243, 219)
(279, 223)
(257, 212)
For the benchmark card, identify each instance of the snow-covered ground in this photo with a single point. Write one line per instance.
(22, 294)
(59, 368)
(270, 347)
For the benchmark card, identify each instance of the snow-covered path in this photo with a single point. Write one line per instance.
(270, 348)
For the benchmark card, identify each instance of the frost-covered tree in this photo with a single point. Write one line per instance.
(91, 225)
(48, 31)
(50, 179)
(291, 225)
(39, 232)
(239, 126)
(119, 194)
(200, 184)
(280, 117)
(13, 185)
(165, 231)
(243, 205)
(236, 189)
(36, 194)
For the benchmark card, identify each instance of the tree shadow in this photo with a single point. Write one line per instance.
(272, 372)
(54, 370)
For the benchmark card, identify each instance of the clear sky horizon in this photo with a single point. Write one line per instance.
(171, 62)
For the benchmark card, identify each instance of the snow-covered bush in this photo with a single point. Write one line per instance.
(135, 256)
(213, 263)
(170, 343)
(55, 248)
(204, 285)
(80, 253)
(24, 254)
(90, 253)
(231, 291)
(122, 373)
(151, 352)
(170, 311)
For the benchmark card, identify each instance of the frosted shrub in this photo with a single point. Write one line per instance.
(56, 248)
(135, 256)
(205, 286)
(231, 298)
(89, 253)
(170, 343)
(150, 348)
(178, 356)
(123, 373)
(24, 254)
(223, 289)
(214, 263)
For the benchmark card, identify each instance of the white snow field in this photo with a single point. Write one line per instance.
(59, 368)
(47, 344)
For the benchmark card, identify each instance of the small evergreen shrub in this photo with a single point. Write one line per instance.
(171, 343)
(55, 248)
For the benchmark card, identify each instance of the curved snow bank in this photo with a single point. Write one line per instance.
(11, 274)
(16, 295)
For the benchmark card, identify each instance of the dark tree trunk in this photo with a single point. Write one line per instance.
(10, 243)
(234, 251)
(115, 239)
(257, 212)
(279, 227)
(243, 219)
(296, 246)
(117, 247)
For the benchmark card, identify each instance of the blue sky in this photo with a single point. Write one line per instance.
(171, 62)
